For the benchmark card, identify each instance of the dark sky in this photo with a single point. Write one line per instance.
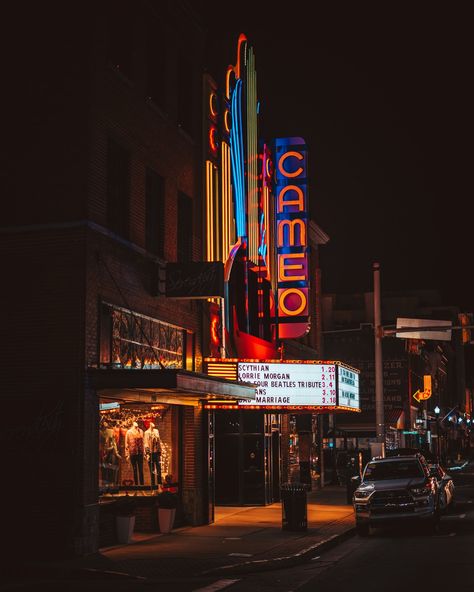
(382, 96)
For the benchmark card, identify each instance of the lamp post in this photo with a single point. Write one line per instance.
(437, 411)
(379, 402)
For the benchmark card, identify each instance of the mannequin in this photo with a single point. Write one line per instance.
(109, 455)
(134, 451)
(153, 453)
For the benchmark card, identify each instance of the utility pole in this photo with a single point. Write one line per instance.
(378, 330)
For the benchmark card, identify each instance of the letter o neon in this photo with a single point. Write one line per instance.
(287, 311)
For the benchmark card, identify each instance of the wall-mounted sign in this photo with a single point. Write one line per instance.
(348, 387)
(295, 384)
(291, 237)
(290, 384)
(201, 279)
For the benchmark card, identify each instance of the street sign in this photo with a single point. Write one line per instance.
(409, 432)
(421, 395)
(427, 329)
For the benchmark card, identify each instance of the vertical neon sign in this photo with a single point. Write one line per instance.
(291, 237)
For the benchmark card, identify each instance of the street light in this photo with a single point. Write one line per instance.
(437, 411)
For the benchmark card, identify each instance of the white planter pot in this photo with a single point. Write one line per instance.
(166, 519)
(125, 526)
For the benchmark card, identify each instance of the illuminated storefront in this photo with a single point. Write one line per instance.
(149, 400)
(289, 395)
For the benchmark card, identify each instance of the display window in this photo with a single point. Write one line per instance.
(137, 447)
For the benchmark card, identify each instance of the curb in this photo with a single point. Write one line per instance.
(282, 562)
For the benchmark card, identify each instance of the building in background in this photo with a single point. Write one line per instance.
(409, 422)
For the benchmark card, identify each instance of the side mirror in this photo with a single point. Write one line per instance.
(356, 480)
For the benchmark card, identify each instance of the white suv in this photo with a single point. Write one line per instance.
(394, 489)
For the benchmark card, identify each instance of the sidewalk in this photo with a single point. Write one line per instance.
(242, 539)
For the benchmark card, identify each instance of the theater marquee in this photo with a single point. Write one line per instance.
(293, 385)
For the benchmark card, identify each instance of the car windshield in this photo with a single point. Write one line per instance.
(437, 471)
(393, 470)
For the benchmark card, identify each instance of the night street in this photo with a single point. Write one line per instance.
(238, 330)
(388, 558)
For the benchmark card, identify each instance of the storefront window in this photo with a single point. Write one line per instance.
(131, 340)
(137, 446)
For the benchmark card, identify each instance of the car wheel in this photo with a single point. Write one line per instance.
(452, 505)
(363, 529)
(443, 503)
(433, 523)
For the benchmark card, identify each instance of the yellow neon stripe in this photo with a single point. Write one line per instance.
(207, 210)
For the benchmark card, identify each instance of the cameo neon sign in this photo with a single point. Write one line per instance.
(291, 237)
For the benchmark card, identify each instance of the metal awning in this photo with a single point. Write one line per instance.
(363, 425)
(175, 387)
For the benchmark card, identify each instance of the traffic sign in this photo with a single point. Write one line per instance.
(421, 395)
(423, 329)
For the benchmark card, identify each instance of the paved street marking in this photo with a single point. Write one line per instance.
(240, 554)
(314, 558)
(219, 585)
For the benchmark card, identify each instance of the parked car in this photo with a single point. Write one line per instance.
(445, 485)
(396, 489)
(429, 456)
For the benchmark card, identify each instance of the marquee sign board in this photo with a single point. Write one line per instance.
(296, 384)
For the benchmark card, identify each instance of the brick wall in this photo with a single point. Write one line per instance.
(56, 274)
(192, 489)
(42, 391)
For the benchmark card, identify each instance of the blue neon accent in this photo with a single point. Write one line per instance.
(237, 158)
(262, 249)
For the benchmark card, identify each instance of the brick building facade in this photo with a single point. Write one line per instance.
(103, 186)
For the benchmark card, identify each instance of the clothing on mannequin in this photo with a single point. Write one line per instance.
(152, 443)
(109, 455)
(134, 451)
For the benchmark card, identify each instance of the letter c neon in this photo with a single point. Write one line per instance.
(283, 157)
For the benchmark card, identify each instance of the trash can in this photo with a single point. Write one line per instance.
(294, 506)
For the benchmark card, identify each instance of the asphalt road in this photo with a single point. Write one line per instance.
(388, 560)
(396, 559)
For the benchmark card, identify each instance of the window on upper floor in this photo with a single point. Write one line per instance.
(120, 37)
(185, 228)
(155, 213)
(185, 94)
(156, 63)
(118, 187)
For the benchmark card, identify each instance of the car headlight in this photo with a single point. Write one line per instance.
(422, 490)
(362, 494)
